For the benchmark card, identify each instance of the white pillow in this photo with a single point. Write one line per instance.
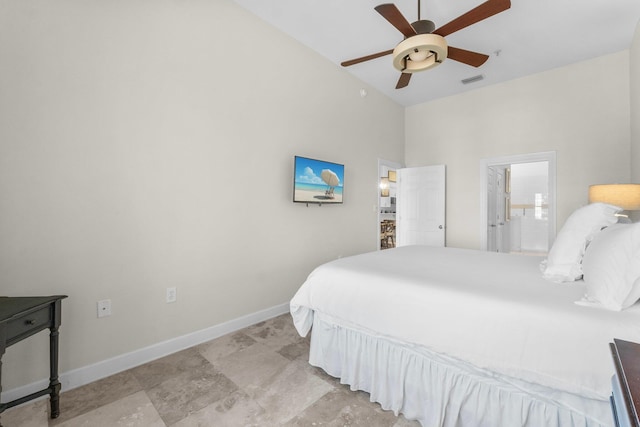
(611, 267)
(564, 262)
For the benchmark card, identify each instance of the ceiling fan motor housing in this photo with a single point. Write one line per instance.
(420, 52)
(423, 26)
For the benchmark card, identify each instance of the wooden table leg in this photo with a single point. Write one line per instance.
(54, 384)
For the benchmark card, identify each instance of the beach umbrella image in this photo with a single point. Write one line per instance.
(330, 177)
(332, 180)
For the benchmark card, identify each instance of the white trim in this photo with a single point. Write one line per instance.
(87, 374)
(546, 156)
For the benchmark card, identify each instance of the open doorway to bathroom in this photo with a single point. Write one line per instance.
(518, 203)
(529, 208)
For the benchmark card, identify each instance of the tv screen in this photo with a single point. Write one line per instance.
(317, 181)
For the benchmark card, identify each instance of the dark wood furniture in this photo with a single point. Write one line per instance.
(21, 317)
(625, 399)
(387, 234)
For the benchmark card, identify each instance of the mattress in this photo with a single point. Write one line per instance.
(490, 310)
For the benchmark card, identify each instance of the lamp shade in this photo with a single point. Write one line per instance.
(419, 53)
(626, 196)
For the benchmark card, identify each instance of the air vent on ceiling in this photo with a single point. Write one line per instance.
(472, 79)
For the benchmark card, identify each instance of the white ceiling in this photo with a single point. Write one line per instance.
(532, 36)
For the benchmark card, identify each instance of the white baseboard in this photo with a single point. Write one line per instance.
(87, 374)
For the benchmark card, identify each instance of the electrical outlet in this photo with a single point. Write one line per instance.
(104, 308)
(172, 294)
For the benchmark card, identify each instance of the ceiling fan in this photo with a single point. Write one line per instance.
(424, 46)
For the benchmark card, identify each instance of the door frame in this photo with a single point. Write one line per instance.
(545, 156)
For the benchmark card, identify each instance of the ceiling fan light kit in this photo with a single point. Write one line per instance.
(419, 53)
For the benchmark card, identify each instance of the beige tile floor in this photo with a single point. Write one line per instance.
(258, 376)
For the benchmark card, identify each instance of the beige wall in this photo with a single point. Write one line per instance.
(634, 72)
(147, 144)
(580, 111)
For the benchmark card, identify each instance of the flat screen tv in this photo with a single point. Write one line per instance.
(317, 181)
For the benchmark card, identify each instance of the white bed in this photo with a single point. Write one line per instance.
(456, 337)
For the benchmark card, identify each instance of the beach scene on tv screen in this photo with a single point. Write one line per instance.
(317, 181)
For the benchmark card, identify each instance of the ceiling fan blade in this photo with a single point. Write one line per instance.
(366, 58)
(390, 12)
(484, 11)
(403, 81)
(468, 57)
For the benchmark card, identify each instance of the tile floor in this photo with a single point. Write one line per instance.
(258, 376)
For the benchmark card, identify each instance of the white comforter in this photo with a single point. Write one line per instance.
(492, 310)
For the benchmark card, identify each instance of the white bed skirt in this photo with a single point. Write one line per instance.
(440, 391)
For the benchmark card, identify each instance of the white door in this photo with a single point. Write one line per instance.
(491, 209)
(420, 216)
(498, 226)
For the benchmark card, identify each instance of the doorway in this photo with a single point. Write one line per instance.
(518, 203)
(529, 211)
(411, 205)
(387, 196)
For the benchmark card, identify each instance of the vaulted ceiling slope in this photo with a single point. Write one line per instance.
(532, 36)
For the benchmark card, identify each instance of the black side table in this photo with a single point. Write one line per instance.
(21, 317)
